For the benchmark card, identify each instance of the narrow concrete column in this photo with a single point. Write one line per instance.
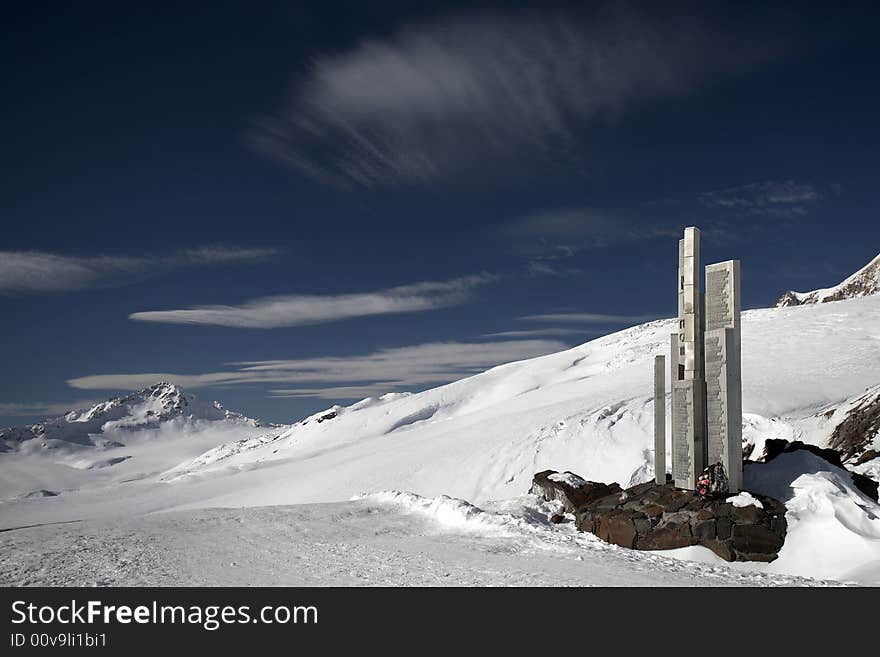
(689, 384)
(723, 369)
(660, 419)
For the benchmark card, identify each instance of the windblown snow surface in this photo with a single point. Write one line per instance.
(276, 505)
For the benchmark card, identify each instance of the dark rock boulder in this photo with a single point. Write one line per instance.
(868, 455)
(573, 491)
(654, 517)
(860, 426)
(773, 447)
(866, 485)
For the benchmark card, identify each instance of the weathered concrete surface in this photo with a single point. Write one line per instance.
(660, 419)
(688, 421)
(688, 383)
(723, 370)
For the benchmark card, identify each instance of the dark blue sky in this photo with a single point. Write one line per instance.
(285, 206)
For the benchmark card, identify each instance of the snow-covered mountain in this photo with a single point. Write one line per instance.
(126, 438)
(864, 282)
(144, 409)
(589, 409)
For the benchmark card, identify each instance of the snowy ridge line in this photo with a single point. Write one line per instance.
(286, 436)
(216, 454)
(864, 282)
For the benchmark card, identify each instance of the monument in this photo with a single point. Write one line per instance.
(706, 426)
(659, 420)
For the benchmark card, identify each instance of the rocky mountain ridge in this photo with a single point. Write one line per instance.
(863, 283)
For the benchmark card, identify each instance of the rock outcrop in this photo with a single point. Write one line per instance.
(854, 436)
(650, 516)
(569, 489)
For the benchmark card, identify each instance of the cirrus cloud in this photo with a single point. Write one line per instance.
(589, 318)
(43, 409)
(304, 309)
(389, 369)
(445, 99)
(40, 271)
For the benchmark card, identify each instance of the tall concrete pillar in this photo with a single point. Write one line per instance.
(723, 369)
(673, 376)
(688, 386)
(690, 305)
(660, 419)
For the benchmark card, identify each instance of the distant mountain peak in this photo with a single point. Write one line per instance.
(865, 282)
(142, 409)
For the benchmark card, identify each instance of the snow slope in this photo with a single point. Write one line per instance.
(864, 282)
(588, 410)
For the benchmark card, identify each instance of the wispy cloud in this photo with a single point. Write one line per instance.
(780, 198)
(39, 271)
(391, 369)
(589, 318)
(303, 309)
(43, 409)
(543, 333)
(555, 234)
(770, 197)
(539, 266)
(442, 100)
(335, 393)
(551, 235)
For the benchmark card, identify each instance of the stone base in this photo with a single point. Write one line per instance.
(661, 517)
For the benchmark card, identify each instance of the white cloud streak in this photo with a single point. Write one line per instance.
(554, 234)
(542, 333)
(385, 370)
(762, 197)
(43, 409)
(444, 99)
(559, 233)
(589, 318)
(300, 310)
(39, 271)
(334, 393)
